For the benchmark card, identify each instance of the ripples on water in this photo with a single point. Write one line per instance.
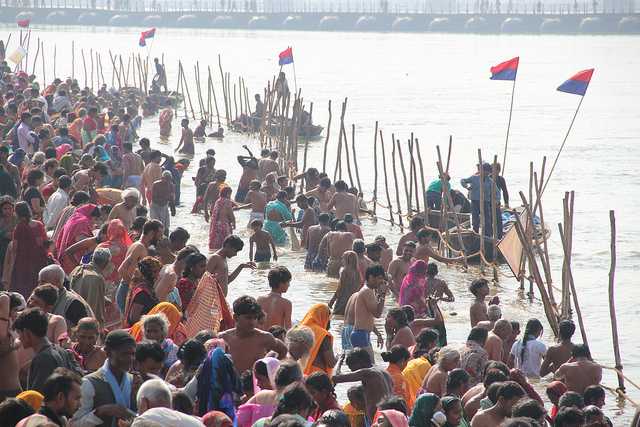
(436, 85)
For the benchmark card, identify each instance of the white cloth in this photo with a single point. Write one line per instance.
(25, 140)
(532, 359)
(169, 418)
(85, 415)
(56, 203)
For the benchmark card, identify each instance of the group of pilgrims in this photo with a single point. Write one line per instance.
(111, 317)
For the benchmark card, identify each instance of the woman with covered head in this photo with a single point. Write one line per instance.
(155, 327)
(413, 288)
(80, 226)
(321, 357)
(142, 296)
(118, 241)
(223, 221)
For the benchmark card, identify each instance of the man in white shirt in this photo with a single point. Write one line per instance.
(25, 138)
(57, 202)
(154, 404)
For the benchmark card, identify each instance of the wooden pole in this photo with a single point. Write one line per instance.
(213, 92)
(395, 180)
(423, 186)
(346, 152)
(565, 249)
(44, 70)
(612, 303)
(55, 57)
(506, 141)
(73, 59)
(449, 201)
(355, 157)
(224, 93)
(404, 176)
(35, 59)
(494, 217)
(481, 228)
(386, 178)
(91, 74)
(84, 66)
(326, 142)
(415, 172)
(375, 169)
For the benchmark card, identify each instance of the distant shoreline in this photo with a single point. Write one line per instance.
(488, 23)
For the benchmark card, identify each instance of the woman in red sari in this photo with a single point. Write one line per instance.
(142, 297)
(80, 226)
(222, 219)
(118, 241)
(28, 253)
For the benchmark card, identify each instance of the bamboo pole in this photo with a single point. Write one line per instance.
(411, 165)
(375, 169)
(91, 55)
(44, 70)
(326, 141)
(482, 227)
(338, 169)
(576, 304)
(546, 265)
(224, 93)
(35, 59)
(612, 303)
(84, 66)
(404, 177)
(55, 57)
(355, 157)
(186, 87)
(73, 59)
(415, 172)
(422, 183)
(386, 178)
(449, 201)
(494, 217)
(213, 92)
(346, 152)
(395, 180)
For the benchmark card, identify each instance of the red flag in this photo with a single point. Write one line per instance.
(285, 57)
(23, 23)
(146, 35)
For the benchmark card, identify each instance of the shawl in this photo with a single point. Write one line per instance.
(272, 365)
(317, 318)
(117, 235)
(208, 308)
(413, 288)
(177, 332)
(217, 383)
(395, 418)
(423, 410)
(79, 224)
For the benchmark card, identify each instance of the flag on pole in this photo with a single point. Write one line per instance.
(286, 57)
(506, 70)
(18, 55)
(578, 83)
(149, 34)
(23, 23)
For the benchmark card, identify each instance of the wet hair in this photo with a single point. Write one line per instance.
(64, 182)
(287, 373)
(358, 354)
(356, 392)
(33, 320)
(334, 418)
(528, 408)
(416, 223)
(47, 293)
(59, 383)
(581, 350)
(373, 248)
(181, 402)
(375, 271)
(510, 390)
(191, 353)
(476, 285)
(456, 378)
(424, 339)
(533, 329)
(569, 399)
(14, 410)
(340, 226)
(492, 392)
(496, 364)
(393, 402)
(149, 268)
(79, 198)
(432, 269)
(278, 332)
(149, 350)
(295, 399)
(277, 276)
(478, 335)
(591, 413)
(191, 261)
(325, 182)
(358, 246)
(409, 312)
(569, 417)
(151, 226)
(341, 185)
(566, 329)
(592, 394)
(246, 305)
(233, 242)
(493, 376)
(397, 354)
(399, 316)
(320, 381)
(179, 235)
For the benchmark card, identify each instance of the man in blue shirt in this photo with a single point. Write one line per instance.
(473, 185)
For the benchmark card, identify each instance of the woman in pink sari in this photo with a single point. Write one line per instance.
(413, 288)
(222, 219)
(118, 241)
(28, 253)
(80, 226)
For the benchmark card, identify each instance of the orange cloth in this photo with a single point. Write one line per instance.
(208, 308)
(317, 318)
(177, 331)
(356, 417)
(401, 385)
(415, 372)
(33, 398)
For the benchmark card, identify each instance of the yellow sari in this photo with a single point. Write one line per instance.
(317, 318)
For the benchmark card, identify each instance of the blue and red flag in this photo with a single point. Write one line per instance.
(506, 70)
(577, 84)
(285, 57)
(149, 34)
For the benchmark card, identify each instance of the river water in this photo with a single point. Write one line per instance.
(437, 85)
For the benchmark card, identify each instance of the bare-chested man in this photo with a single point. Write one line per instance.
(217, 263)
(323, 192)
(436, 288)
(494, 313)
(478, 310)
(268, 164)
(344, 202)
(580, 372)
(399, 267)
(246, 343)
(376, 382)
(509, 393)
(270, 186)
(436, 379)
(132, 167)
(495, 340)
(311, 178)
(315, 235)
(9, 381)
(256, 200)
(415, 225)
(162, 203)
(213, 192)
(336, 243)
(152, 172)
(151, 232)
(263, 242)
(363, 261)
(387, 253)
(276, 308)
(559, 353)
(125, 211)
(308, 219)
(185, 145)
(368, 307)
(249, 173)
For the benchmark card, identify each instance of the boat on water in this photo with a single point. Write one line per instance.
(251, 124)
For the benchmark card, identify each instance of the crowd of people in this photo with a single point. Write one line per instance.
(111, 317)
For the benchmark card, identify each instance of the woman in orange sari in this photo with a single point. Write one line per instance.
(321, 357)
(118, 241)
(177, 332)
